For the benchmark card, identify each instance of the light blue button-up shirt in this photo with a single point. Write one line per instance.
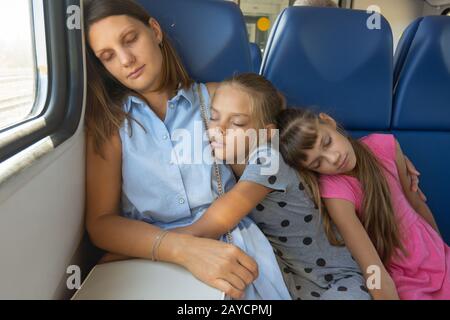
(156, 188)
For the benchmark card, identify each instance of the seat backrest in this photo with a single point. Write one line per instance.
(209, 35)
(330, 58)
(256, 55)
(422, 92)
(403, 47)
(421, 116)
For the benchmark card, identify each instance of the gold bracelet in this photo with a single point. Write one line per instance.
(157, 242)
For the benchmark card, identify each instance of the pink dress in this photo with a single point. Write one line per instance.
(424, 272)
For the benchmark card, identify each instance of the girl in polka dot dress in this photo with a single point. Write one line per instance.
(367, 196)
(274, 195)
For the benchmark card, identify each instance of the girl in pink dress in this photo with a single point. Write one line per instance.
(368, 205)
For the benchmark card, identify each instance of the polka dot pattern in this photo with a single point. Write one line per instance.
(307, 241)
(329, 277)
(272, 179)
(285, 223)
(321, 262)
(282, 204)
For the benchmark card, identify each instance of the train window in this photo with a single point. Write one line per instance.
(41, 75)
(23, 70)
(446, 12)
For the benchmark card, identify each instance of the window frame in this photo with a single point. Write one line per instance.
(62, 110)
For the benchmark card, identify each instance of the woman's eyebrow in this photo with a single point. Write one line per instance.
(126, 31)
(121, 36)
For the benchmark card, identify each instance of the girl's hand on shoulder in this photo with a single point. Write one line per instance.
(415, 198)
(414, 178)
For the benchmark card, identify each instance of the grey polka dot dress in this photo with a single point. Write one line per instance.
(312, 268)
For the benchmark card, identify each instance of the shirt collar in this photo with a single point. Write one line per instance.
(187, 94)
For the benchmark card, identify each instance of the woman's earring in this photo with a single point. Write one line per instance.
(161, 45)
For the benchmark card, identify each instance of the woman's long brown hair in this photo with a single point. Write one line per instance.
(106, 95)
(299, 132)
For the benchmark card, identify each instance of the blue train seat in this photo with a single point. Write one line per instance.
(403, 47)
(209, 35)
(256, 56)
(421, 115)
(329, 58)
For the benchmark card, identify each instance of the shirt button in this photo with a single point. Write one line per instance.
(165, 137)
(171, 106)
(181, 201)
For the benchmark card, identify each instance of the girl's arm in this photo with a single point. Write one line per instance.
(220, 265)
(414, 198)
(343, 214)
(226, 212)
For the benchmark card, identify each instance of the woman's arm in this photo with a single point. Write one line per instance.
(343, 214)
(226, 212)
(218, 264)
(414, 198)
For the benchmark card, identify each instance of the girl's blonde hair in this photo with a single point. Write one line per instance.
(266, 100)
(299, 132)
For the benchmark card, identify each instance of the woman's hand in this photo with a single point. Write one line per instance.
(414, 177)
(220, 265)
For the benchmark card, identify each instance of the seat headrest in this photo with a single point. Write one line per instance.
(256, 55)
(329, 58)
(403, 47)
(422, 93)
(209, 35)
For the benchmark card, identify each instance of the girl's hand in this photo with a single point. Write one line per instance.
(220, 265)
(414, 177)
(358, 242)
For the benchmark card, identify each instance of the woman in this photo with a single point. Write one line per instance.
(138, 94)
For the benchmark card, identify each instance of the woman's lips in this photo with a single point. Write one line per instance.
(137, 73)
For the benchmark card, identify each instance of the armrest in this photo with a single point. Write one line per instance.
(140, 279)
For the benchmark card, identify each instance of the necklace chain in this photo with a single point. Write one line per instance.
(216, 166)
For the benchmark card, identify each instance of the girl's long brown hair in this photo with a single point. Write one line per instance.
(106, 95)
(299, 132)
